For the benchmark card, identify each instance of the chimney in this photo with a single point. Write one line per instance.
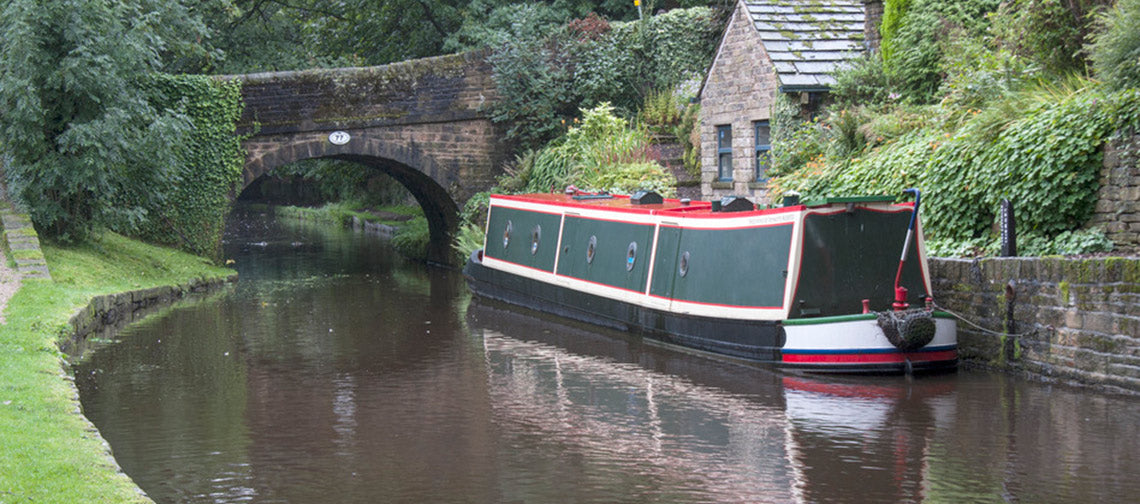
(872, 19)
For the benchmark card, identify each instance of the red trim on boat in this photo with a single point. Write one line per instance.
(870, 358)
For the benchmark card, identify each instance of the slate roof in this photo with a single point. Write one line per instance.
(808, 39)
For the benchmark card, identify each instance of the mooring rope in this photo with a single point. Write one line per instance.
(980, 328)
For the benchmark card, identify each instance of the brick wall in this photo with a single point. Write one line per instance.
(1079, 319)
(740, 89)
(1118, 200)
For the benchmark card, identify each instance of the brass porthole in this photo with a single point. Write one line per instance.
(507, 234)
(535, 236)
(630, 256)
(683, 269)
(590, 247)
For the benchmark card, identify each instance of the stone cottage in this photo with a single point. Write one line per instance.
(770, 47)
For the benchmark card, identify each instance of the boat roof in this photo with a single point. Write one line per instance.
(679, 207)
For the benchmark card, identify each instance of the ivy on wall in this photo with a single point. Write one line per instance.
(191, 215)
(1046, 161)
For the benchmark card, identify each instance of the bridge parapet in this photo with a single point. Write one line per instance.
(431, 90)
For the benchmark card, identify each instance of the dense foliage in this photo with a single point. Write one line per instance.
(544, 79)
(258, 35)
(345, 181)
(603, 153)
(191, 214)
(1046, 159)
(1116, 48)
(996, 115)
(80, 131)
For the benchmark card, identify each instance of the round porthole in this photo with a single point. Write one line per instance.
(507, 235)
(684, 266)
(630, 256)
(593, 244)
(535, 236)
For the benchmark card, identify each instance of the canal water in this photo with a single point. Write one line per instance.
(335, 372)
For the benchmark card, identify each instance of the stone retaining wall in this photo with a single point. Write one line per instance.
(106, 314)
(1070, 319)
(1118, 199)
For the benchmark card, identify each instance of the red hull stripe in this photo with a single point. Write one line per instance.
(871, 358)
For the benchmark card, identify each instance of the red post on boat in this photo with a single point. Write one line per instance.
(900, 292)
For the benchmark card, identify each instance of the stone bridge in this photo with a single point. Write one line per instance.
(420, 121)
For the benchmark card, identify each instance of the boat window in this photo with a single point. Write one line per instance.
(630, 256)
(684, 268)
(507, 235)
(535, 236)
(590, 249)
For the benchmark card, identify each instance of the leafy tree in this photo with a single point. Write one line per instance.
(544, 81)
(278, 34)
(262, 35)
(78, 130)
(489, 23)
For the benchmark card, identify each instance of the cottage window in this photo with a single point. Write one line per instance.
(763, 149)
(724, 152)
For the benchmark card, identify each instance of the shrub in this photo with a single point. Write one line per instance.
(543, 80)
(863, 82)
(1115, 48)
(794, 142)
(469, 239)
(1048, 33)
(412, 239)
(924, 28)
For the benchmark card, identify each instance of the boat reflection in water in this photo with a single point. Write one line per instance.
(689, 428)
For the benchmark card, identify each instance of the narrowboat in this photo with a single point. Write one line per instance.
(818, 286)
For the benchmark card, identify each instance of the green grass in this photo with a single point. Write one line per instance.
(49, 453)
(342, 213)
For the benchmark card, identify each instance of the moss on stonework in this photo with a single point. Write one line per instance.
(21, 232)
(27, 254)
(1063, 286)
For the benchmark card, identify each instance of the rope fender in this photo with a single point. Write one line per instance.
(907, 330)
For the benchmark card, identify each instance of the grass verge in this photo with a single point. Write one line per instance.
(49, 453)
(342, 213)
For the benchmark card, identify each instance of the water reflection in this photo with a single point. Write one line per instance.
(334, 372)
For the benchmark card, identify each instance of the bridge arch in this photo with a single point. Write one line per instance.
(433, 184)
(423, 122)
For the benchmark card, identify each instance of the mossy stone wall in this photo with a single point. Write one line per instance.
(1070, 319)
(1118, 200)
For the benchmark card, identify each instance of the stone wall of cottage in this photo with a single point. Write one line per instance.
(740, 90)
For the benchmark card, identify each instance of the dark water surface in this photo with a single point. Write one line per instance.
(334, 372)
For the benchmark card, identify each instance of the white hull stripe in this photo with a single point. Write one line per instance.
(859, 336)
